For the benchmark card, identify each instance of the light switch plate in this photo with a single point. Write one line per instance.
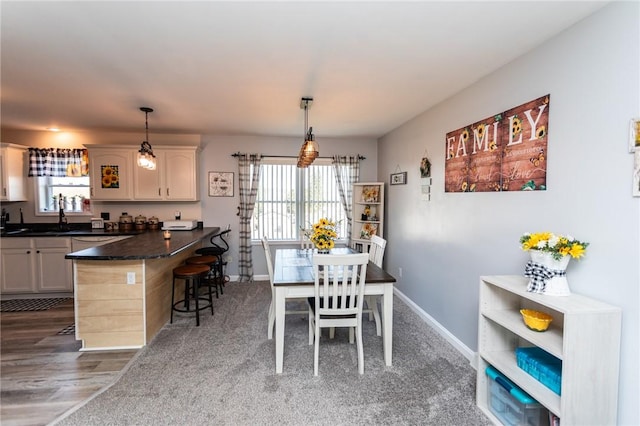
(131, 277)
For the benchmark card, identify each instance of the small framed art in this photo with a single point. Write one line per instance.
(220, 184)
(634, 135)
(399, 178)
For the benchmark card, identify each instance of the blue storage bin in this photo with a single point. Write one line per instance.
(543, 366)
(511, 405)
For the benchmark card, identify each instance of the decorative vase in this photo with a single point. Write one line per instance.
(547, 275)
(322, 251)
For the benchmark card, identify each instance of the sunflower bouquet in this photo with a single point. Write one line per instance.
(324, 234)
(557, 245)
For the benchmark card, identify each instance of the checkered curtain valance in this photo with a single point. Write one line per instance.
(58, 162)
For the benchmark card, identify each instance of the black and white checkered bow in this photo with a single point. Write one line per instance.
(540, 275)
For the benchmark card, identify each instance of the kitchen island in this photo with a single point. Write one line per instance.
(123, 289)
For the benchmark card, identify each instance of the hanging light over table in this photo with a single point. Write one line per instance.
(309, 150)
(146, 158)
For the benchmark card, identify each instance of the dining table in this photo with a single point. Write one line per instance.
(294, 278)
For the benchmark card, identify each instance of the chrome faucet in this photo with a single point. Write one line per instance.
(62, 219)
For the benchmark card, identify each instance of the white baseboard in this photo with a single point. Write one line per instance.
(453, 340)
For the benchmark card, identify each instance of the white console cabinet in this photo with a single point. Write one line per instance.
(584, 334)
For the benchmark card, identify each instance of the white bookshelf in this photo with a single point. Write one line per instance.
(584, 334)
(376, 215)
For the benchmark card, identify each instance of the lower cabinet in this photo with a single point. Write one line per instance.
(35, 265)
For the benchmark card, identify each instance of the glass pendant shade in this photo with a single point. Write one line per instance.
(146, 158)
(309, 150)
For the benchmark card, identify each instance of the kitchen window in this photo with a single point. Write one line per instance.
(61, 179)
(75, 195)
(290, 198)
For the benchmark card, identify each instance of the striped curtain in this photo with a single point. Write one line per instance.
(347, 171)
(58, 162)
(249, 176)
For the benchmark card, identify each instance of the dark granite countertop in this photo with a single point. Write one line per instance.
(53, 230)
(25, 232)
(145, 245)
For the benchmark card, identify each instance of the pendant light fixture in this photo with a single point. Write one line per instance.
(146, 158)
(309, 150)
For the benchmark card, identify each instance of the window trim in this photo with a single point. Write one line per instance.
(287, 160)
(54, 213)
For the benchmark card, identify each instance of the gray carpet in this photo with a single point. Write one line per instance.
(223, 373)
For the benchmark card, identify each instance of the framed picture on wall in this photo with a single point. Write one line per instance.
(220, 184)
(399, 178)
(634, 135)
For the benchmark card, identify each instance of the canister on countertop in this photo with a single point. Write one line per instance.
(126, 222)
(153, 223)
(141, 223)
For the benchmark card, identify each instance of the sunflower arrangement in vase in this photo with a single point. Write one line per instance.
(550, 255)
(557, 246)
(324, 234)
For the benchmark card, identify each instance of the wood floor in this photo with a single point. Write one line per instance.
(42, 373)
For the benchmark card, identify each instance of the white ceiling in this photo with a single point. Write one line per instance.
(211, 67)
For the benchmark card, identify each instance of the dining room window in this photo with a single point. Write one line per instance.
(291, 198)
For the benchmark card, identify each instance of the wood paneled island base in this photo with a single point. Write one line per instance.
(122, 300)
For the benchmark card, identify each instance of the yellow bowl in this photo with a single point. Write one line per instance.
(538, 321)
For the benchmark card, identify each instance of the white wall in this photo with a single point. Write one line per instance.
(444, 245)
(216, 157)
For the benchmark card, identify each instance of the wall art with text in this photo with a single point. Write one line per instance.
(505, 152)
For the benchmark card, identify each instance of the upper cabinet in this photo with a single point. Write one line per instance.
(174, 179)
(110, 173)
(13, 172)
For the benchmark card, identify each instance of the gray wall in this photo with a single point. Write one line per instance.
(444, 245)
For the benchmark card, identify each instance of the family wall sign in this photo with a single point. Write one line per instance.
(506, 152)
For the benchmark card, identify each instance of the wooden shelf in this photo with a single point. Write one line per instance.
(584, 334)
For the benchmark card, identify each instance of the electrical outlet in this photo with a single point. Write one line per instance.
(131, 277)
(400, 272)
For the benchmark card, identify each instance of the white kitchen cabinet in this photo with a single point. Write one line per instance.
(36, 265)
(367, 214)
(584, 334)
(110, 171)
(174, 179)
(18, 266)
(13, 172)
(52, 270)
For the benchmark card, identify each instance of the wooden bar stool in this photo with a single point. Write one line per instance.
(192, 275)
(211, 280)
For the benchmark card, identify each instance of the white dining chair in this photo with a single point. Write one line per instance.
(272, 306)
(339, 282)
(306, 243)
(376, 254)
